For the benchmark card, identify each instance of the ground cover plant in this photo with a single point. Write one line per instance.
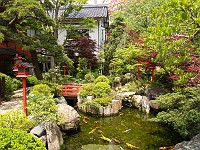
(16, 120)
(19, 140)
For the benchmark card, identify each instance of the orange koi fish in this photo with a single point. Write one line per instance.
(117, 141)
(166, 147)
(85, 121)
(100, 131)
(125, 131)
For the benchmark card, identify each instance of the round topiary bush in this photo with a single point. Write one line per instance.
(102, 78)
(12, 139)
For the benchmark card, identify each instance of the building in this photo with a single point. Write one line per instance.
(99, 12)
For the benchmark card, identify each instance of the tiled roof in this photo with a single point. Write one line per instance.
(90, 11)
(87, 11)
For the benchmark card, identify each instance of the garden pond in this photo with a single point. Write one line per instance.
(130, 128)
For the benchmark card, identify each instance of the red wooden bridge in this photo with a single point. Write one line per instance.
(70, 90)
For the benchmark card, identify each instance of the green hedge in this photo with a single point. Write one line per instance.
(12, 139)
(11, 85)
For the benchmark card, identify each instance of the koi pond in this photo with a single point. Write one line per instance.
(129, 129)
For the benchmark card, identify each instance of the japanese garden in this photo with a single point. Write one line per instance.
(99, 74)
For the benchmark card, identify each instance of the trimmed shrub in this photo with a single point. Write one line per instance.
(42, 105)
(41, 89)
(87, 90)
(12, 139)
(181, 110)
(103, 101)
(32, 80)
(102, 78)
(101, 93)
(89, 78)
(11, 85)
(102, 89)
(17, 120)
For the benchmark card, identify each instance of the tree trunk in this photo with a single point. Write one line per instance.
(37, 70)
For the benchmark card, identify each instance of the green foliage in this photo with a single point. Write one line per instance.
(89, 78)
(181, 110)
(102, 89)
(100, 92)
(42, 105)
(123, 60)
(116, 40)
(41, 89)
(93, 104)
(87, 90)
(161, 77)
(102, 78)
(103, 101)
(53, 75)
(19, 140)
(55, 88)
(11, 85)
(32, 80)
(16, 120)
(82, 67)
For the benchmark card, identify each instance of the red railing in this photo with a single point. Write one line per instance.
(70, 90)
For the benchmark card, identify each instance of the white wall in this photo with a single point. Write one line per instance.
(95, 2)
(97, 34)
(62, 33)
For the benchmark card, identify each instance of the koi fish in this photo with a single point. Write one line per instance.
(125, 131)
(96, 121)
(100, 131)
(135, 123)
(85, 117)
(131, 146)
(84, 121)
(105, 138)
(166, 147)
(117, 141)
(92, 131)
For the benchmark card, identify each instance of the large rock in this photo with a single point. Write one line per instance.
(193, 144)
(70, 117)
(54, 137)
(116, 105)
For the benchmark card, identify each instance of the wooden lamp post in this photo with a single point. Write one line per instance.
(22, 70)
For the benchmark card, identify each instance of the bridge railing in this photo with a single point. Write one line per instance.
(70, 90)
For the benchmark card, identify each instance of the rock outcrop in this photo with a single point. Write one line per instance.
(138, 101)
(113, 108)
(70, 117)
(193, 144)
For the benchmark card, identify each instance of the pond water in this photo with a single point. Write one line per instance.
(130, 126)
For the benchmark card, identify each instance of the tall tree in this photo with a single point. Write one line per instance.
(116, 39)
(59, 10)
(18, 16)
